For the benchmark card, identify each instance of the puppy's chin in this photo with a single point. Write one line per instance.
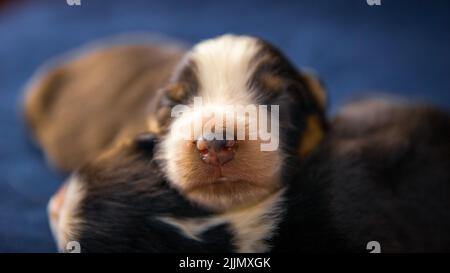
(251, 176)
(229, 193)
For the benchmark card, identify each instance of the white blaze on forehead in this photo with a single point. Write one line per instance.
(224, 67)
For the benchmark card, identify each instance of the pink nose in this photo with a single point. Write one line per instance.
(216, 152)
(56, 203)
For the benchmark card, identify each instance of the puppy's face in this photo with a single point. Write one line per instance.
(217, 147)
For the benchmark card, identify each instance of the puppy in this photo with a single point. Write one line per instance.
(82, 110)
(381, 174)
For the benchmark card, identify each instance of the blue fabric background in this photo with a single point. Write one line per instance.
(399, 48)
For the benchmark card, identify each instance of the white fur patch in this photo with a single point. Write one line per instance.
(251, 226)
(224, 68)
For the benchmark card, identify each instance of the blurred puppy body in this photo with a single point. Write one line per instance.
(382, 174)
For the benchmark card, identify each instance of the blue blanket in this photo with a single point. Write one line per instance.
(400, 48)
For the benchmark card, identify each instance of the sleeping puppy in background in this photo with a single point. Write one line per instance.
(85, 111)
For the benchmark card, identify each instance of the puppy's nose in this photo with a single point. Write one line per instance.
(216, 152)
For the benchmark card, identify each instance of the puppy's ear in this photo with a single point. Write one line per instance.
(315, 123)
(40, 98)
(315, 84)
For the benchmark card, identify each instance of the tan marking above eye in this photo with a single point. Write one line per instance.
(177, 92)
(153, 125)
(273, 82)
(317, 89)
(312, 136)
(163, 114)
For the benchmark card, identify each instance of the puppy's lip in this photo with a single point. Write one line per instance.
(221, 180)
(225, 179)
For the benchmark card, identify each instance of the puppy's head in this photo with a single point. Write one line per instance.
(236, 113)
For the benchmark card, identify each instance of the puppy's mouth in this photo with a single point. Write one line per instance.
(223, 185)
(224, 179)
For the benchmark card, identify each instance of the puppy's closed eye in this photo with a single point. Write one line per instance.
(146, 142)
